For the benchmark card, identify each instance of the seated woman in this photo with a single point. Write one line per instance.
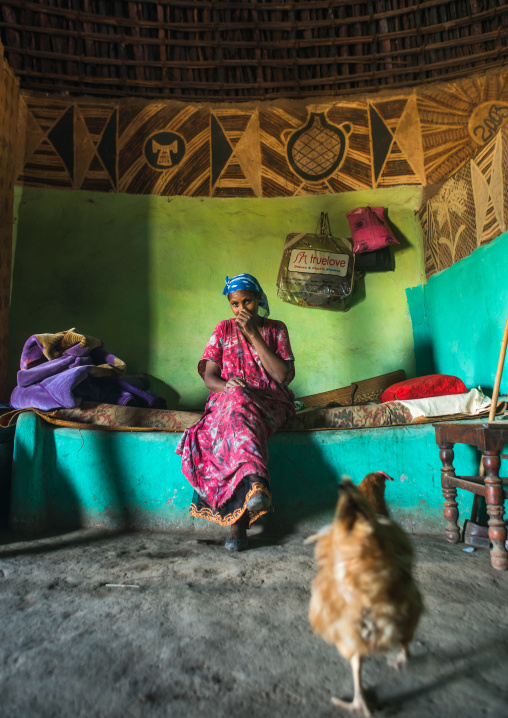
(247, 365)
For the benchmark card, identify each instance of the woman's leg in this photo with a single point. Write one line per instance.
(238, 530)
(239, 512)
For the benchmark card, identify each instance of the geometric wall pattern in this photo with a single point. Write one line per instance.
(471, 207)
(281, 149)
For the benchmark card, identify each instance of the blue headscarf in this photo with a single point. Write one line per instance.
(247, 283)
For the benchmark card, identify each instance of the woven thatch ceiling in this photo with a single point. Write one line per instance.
(248, 49)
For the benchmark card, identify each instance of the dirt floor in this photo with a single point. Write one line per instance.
(194, 631)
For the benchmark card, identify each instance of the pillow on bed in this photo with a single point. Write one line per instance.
(424, 386)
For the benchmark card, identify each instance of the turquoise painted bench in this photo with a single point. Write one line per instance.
(64, 477)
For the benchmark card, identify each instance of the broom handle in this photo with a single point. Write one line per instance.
(493, 406)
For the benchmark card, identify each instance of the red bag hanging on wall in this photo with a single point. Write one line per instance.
(369, 229)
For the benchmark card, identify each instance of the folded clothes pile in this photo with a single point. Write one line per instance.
(63, 369)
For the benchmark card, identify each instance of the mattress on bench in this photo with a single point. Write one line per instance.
(363, 416)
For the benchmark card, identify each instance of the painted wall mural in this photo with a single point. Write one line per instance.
(470, 209)
(281, 149)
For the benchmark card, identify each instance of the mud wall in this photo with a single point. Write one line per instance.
(145, 274)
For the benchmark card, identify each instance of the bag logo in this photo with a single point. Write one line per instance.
(312, 261)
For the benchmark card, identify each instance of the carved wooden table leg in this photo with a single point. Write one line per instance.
(451, 509)
(494, 498)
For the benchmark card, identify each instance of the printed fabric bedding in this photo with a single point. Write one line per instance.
(363, 416)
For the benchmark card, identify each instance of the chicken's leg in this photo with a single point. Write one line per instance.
(358, 703)
(399, 660)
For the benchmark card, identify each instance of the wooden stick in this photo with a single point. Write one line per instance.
(493, 407)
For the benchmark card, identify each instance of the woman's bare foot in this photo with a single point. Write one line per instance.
(237, 539)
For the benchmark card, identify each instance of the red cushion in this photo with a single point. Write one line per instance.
(424, 386)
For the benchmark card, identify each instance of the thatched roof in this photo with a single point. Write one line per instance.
(213, 50)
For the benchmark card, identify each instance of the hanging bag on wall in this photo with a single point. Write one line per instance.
(369, 229)
(379, 260)
(317, 270)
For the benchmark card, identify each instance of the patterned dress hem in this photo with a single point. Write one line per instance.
(210, 514)
(246, 470)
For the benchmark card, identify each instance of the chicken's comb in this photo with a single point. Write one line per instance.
(385, 475)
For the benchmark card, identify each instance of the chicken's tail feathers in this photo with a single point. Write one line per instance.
(311, 539)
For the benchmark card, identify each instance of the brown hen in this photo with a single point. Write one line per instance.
(364, 598)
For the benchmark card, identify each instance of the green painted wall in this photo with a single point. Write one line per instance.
(145, 274)
(459, 317)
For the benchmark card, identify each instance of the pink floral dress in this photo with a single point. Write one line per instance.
(230, 441)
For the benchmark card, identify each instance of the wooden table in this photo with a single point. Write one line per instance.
(489, 439)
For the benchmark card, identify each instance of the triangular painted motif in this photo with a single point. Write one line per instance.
(95, 165)
(248, 153)
(233, 182)
(233, 123)
(391, 111)
(106, 148)
(33, 138)
(96, 118)
(381, 139)
(84, 148)
(397, 166)
(221, 149)
(61, 137)
(409, 138)
(48, 114)
(97, 179)
(46, 168)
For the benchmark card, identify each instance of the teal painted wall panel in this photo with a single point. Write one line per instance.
(145, 274)
(459, 317)
(67, 478)
(424, 351)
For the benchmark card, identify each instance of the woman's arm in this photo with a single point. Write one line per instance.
(214, 382)
(274, 365)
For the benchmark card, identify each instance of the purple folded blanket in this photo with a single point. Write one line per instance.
(80, 374)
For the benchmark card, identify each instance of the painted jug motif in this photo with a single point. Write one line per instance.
(318, 148)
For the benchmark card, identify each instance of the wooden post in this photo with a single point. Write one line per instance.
(492, 412)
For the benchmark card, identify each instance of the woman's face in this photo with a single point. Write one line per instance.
(244, 300)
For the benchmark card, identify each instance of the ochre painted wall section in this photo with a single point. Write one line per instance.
(146, 274)
(285, 148)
